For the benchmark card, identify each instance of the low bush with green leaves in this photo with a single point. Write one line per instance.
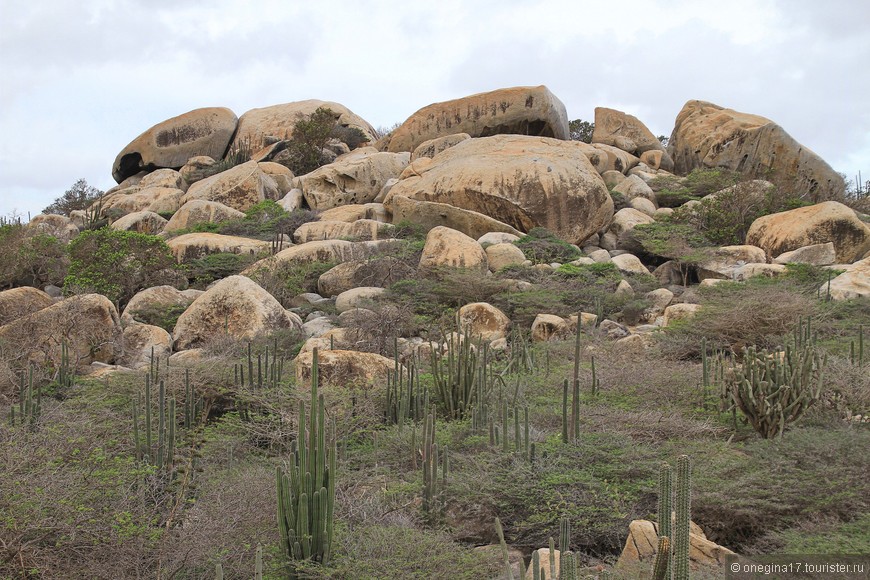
(543, 247)
(117, 264)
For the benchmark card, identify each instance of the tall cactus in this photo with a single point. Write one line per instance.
(663, 559)
(509, 573)
(683, 515)
(568, 566)
(306, 488)
(665, 503)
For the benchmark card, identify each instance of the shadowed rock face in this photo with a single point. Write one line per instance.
(171, 143)
(707, 135)
(519, 110)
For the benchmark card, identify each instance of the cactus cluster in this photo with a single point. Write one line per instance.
(29, 407)
(406, 399)
(433, 486)
(775, 389)
(463, 375)
(306, 488)
(672, 556)
(270, 369)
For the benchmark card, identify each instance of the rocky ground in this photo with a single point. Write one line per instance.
(477, 232)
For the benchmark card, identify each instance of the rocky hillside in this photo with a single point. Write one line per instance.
(500, 322)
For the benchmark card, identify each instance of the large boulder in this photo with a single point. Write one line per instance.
(134, 199)
(277, 122)
(853, 283)
(484, 320)
(139, 341)
(449, 248)
(548, 327)
(353, 212)
(433, 147)
(357, 297)
(430, 214)
(615, 159)
(57, 226)
(174, 141)
(503, 255)
(817, 255)
(199, 211)
(706, 558)
(360, 230)
(626, 132)
(144, 222)
(354, 178)
(334, 251)
(18, 302)
(627, 219)
(521, 181)
(721, 262)
(189, 247)
(236, 306)
(240, 187)
(88, 324)
(707, 135)
(816, 224)
(519, 110)
(344, 367)
(157, 301)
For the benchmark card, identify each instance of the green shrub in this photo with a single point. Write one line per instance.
(30, 259)
(116, 264)
(78, 197)
(703, 182)
(287, 280)
(312, 133)
(543, 247)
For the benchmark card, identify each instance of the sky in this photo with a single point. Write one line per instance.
(80, 80)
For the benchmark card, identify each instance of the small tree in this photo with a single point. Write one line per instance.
(311, 134)
(581, 130)
(79, 196)
(116, 264)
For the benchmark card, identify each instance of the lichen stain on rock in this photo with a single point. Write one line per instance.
(182, 134)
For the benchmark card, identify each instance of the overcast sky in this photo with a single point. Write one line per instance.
(80, 80)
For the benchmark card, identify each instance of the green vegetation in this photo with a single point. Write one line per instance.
(78, 197)
(311, 135)
(543, 247)
(116, 264)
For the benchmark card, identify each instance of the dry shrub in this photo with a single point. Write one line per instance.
(734, 316)
(376, 328)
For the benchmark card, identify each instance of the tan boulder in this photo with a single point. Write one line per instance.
(189, 247)
(724, 260)
(634, 187)
(357, 298)
(680, 311)
(334, 251)
(88, 324)
(163, 178)
(519, 110)
(144, 222)
(521, 181)
(484, 320)
(626, 219)
(854, 283)
(57, 226)
(817, 255)
(503, 255)
(137, 342)
(491, 238)
(198, 168)
(657, 160)
(643, 205)
(629, 264)
(353, 212)
(293, 200)
(188, 358)
(174, 141)
(429, 214)
(707, 135)
(282, 175)
(355, 178)
(548, 327)
(450, 248)
(616, 159)
(151, 302)
(621, 130)
(199, 211)
(747, 271)
(642, 544)
(236, 306)
(356, 273)
(239, 187)
(360, 230)
(19, 302)
(544, 556)
(344, 368)
(816, 224)
(277, 121)
(433, 147)
(135, 199)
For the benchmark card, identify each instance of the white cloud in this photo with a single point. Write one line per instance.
(80, 80)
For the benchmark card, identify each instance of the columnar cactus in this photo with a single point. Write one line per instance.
(682, 519)
(306, 488)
